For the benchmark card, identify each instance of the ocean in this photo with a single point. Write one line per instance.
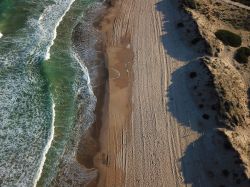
(43, 85)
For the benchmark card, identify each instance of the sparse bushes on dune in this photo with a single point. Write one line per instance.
(180, 25)
(190, 3)
(229, 38)
(245, 2)
(242, 54)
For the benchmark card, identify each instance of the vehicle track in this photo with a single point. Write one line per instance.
(240, 5)
(145, 145)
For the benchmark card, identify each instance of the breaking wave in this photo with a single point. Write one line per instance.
(36, 65)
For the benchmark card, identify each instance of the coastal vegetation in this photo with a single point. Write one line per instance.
(245, 2)
(228, 38)
(190, 3)
(242, 54)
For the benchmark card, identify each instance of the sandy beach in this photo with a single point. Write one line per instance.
(140, 139)
(125, 93)
(157, 129)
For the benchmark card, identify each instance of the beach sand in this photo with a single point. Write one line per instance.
(152, 128)
(140, 142)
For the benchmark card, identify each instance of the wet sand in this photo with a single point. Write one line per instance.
(117, 104)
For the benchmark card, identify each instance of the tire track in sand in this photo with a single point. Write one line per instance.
(140, 139)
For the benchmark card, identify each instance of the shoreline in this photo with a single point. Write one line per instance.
(77, 168)
(141, 134)
(90, 149)
(140, 138)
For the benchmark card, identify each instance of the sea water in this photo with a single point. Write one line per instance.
(40, 79)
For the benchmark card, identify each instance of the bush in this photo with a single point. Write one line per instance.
(195, 40)
(229, 38)
(245, 2)
(205, 116)
(190, 3)
(180, 24)
(225, 172)
(193, 75)
(242, 54)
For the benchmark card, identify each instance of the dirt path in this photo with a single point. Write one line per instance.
(143, 138)
(240, 5)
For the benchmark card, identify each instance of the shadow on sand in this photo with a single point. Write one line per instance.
(210, 160)
(171, 40)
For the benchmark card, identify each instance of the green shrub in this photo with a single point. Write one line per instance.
(180, 25)
(245, 2)
(190, 3)
(229, 38)
(242, 54)
(195, 40)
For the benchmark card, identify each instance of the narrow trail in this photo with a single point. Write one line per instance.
(240, 5)
(142, 143)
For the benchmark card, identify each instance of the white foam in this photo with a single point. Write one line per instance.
(40, 18)
(47, 54)
(84, 68)
(47, 147)
(28, 133)
(42, 36)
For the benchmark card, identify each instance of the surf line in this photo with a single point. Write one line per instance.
(52, 131)
(47, 147)
(47, 54)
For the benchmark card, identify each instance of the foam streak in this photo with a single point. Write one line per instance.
(47, 147)
(47, 54)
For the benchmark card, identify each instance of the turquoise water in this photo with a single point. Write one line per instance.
(40, 79)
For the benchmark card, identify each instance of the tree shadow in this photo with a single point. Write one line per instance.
(192, 100)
